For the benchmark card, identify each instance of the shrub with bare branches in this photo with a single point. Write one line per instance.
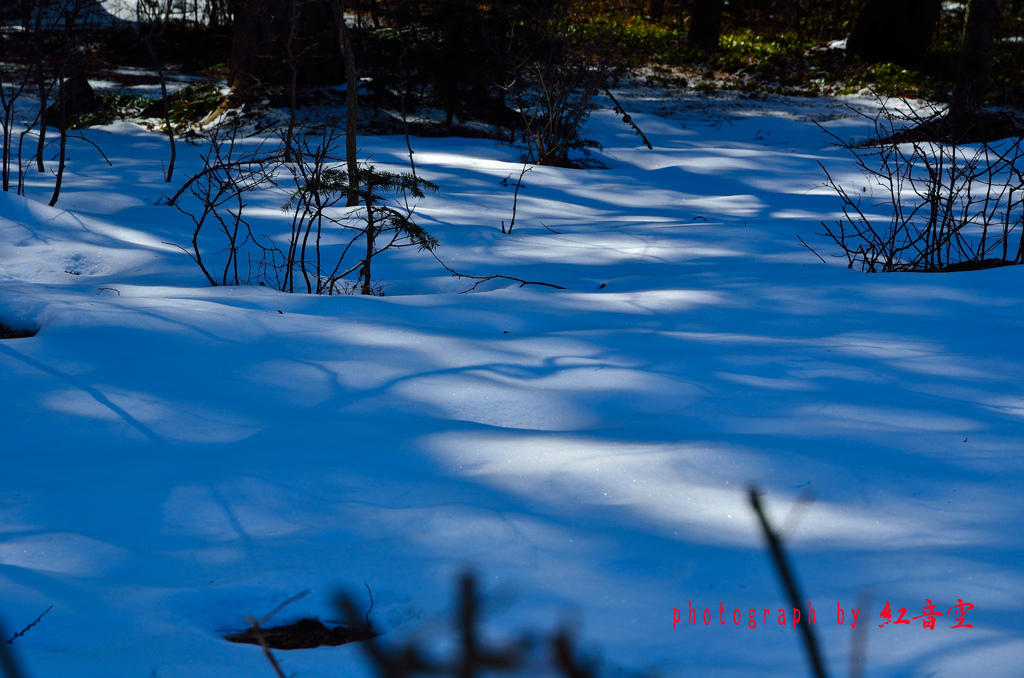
(557, 70)
(229, 173)
(944, 205)
(318, 254)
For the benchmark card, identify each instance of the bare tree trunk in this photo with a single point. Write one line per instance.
(10, 94)
(63, 144)
(41, 82)
(70, 18)
(147, 38)
(352, 110)
(293, 64)
(8, 113)
(976, 54)
(167, 110)
(370, 237)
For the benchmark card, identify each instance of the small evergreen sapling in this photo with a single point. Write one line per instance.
(385, 227)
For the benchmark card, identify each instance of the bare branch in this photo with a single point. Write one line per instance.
(481, 279)
(22, 632)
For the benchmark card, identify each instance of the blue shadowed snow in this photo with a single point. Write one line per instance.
(175, 456)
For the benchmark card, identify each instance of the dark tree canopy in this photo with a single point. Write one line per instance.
(259, 53)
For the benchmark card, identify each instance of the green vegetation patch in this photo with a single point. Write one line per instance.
(110, 107)
(796, 63)
(188, 105)
(195, 102)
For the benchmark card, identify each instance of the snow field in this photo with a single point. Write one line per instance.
(175, 457)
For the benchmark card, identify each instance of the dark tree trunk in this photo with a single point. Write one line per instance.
(351, 118)
(976, 54)
(705, 24)
(253, 30)
(351, 109)
(657, 10)
(897, 31)
(370, 240)
(43, 88)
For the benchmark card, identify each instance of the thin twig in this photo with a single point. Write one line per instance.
(628, 119)
(476, 659)
(390, 664)
(403, 84)
(369, 625)
(484, 278)
(810, 249)
(10, 640)
(796, 513)
(258, 632)
(789, 584)
(8, 665)
(564, 659)
(515, 198)
(264, 160)
(297, 596)
(94, 145)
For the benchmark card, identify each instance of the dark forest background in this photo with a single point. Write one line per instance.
(509, 65)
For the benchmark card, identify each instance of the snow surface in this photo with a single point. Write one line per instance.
(175, 457)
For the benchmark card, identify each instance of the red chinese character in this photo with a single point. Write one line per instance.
(886, 614)
(929, 614)
(961, 608)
